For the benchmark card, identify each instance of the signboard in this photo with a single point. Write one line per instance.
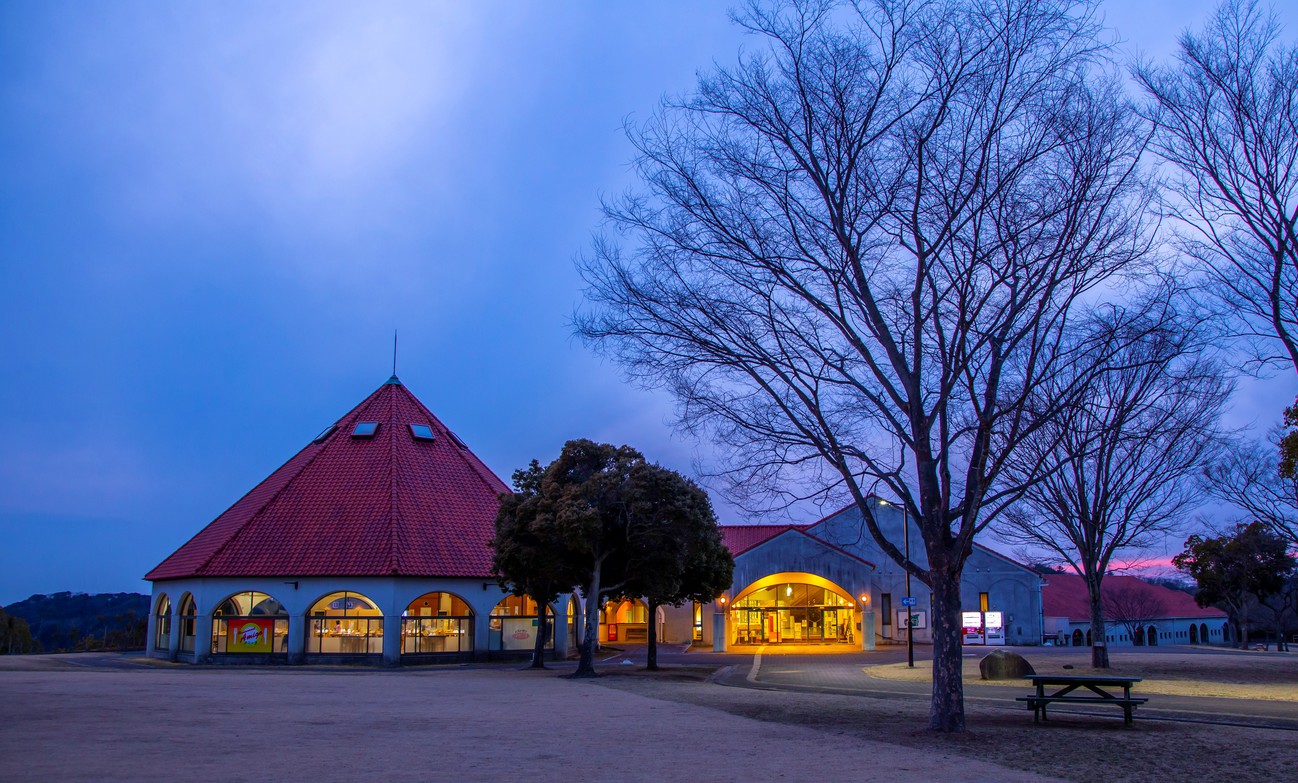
(972, 623)
(909, 600)
(250, 636)
(911, 619)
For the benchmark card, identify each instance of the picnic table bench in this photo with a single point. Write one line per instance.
(1092, 692)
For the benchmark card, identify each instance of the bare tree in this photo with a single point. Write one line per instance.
(1247, 476)
(858, 251)
(1227, 117)
(1132, 608)
(1123, 458)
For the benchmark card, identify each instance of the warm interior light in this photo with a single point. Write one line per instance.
(788, 590)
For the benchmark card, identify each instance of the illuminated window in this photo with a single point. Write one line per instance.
(162, 624)
(188, 619)
(345, 623)
(437, 623)
(249, 623)
(513, 625)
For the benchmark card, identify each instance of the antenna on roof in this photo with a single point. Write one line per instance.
(393, 380)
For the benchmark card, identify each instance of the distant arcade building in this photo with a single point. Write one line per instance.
(370, 546)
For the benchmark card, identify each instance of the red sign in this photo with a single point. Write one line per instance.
(250, 636)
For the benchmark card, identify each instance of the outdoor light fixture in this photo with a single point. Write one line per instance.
(865, 599)
(722, 600)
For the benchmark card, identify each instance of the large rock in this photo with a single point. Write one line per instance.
(1004, 665)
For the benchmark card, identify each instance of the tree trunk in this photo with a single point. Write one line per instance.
(1099, 633)
(538, 647)
(586, 662)
(652, 652)
(946, 712)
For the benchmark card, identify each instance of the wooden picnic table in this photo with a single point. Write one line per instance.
(1092, 689)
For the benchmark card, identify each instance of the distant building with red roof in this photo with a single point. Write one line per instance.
(371, 543)
(1136, 613)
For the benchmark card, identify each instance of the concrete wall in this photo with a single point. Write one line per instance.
(1013, 589)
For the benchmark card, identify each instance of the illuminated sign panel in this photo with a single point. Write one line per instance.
(251, 636)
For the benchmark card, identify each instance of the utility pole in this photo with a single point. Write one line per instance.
(908, 601)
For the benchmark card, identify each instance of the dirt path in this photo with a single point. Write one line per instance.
(489, 725)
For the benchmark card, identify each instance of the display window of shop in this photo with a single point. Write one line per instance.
(249, 623)
(187, 619)
(344, 623)
(793, 612)
(162, 624)
(513, 625)
(437, 623)
(698, 622)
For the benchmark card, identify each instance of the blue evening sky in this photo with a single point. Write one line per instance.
(213, 216)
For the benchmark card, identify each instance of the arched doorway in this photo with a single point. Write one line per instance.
(344, 623)
(1194, 634)
(792, 608)
(249, 622)
(1203, 633)
(1138, 638)
(1078, 638)
(1088, 638)
(512, 626)
(624, 621)
(437, 623)
(187, 618)
(162, 624)
(1151, 636)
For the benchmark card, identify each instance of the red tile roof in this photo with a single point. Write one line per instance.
(741, 538)
(387, 505)
(1065, 595)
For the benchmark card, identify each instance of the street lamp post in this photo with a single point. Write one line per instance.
(910, 616)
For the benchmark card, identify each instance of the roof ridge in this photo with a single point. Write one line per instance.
(393, 495)
(472, 460)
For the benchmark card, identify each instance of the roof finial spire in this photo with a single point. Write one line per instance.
(394, 380)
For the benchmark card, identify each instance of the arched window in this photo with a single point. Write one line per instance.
(188, 619)
(1203, 633)
(345, 623)
(1194, 634)
(1078, 639)
(513, 625)
(162, 624)
(1152, 636)
(437, 623)
(249, 623)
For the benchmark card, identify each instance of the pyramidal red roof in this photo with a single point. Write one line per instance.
(386, 505)
(1065, 595)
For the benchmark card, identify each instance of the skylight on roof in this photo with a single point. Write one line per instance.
(325, 433)
(365, 429)
(457, 440)
(421, 432)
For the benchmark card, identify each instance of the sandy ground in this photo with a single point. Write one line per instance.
(61, 723)
(1228, 674)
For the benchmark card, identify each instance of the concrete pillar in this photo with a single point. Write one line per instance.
(202, 638)
(867, 630)
(298, 629)
(173, 639)
(719, 631)
(561, 628)
(392, 639)
(481, 626)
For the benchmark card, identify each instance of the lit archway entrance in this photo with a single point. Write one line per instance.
(624, 621)
(435, 624)
(793, 608)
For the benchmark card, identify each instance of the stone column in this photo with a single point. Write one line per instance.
(392, 639)
(719, 638)
(561, 628)
(173, 638)
(867, 630)
(298, 628)
(202, 638)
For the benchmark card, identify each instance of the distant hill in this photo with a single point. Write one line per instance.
(80, 621)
